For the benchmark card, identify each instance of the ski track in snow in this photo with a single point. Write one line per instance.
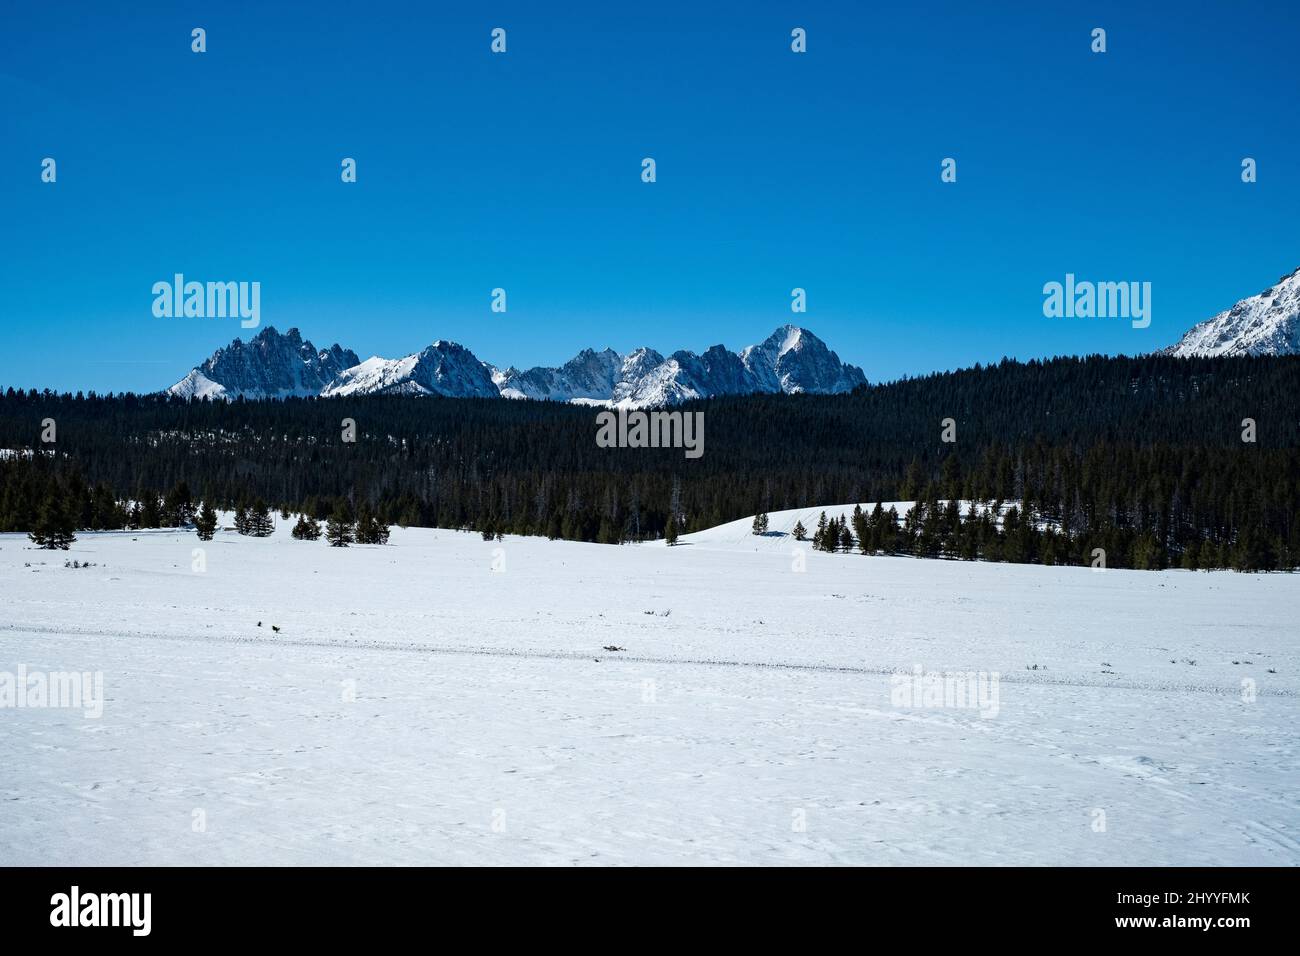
(1029, 677)
(491, 726)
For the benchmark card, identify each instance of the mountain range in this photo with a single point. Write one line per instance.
(274, 365)
(790, 360)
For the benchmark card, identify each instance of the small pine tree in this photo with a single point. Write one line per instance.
(846, 537)
(370, 530)
(363, 531)
(760, 523)
(338, 530)
(861, 529)
(205, 523)
(55, 527)
(800, 532)
(670, 532)
(307, 529)
(178, 506)
(241, 518)
(257, 521)
(831, 536)
(151, 512)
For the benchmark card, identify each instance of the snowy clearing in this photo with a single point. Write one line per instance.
(746, 719)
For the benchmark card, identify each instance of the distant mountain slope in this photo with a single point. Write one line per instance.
(589, 374)
(271, 365)
(794, 360)
(739, 535)
(444, 368)
(1264, 324)
(790, 360)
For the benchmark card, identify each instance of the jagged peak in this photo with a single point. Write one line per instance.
(1267, 323)
(444, 367)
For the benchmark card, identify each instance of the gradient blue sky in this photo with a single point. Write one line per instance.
(775, 170)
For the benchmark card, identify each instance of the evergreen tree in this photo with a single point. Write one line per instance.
(338, 530)
(968, 537)
(760, 523)
(370, 530)
(108, 514)
(861, 529)
(889, 531)
(364, 530)
(178, 506)
(77, 501)
(1012, 539)
(830, 538)
(257, 520)
(54, 527)
(800, 532)
(670, 532)
(206, 522)
(150, 511)
(1145, 553)
(409, 515)
(876, 527)
(306, 529)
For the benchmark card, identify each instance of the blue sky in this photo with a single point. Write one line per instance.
(522, 170)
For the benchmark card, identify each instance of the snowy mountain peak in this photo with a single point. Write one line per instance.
(1263, 324)
(588, 375)
(443, 368)
(269, 365)
(793, 360)
(272, 365)
(793, 336)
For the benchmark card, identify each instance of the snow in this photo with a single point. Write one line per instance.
(373, 375)
(1264, 324)
(739, 534)
(792, 336)
(269, 365)
(490, 725)
(274, 366)
(198, 385)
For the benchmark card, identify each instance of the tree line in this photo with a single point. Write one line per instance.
(67, 506)
(1159, 461)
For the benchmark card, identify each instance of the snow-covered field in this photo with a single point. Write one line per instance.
(450, 700)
